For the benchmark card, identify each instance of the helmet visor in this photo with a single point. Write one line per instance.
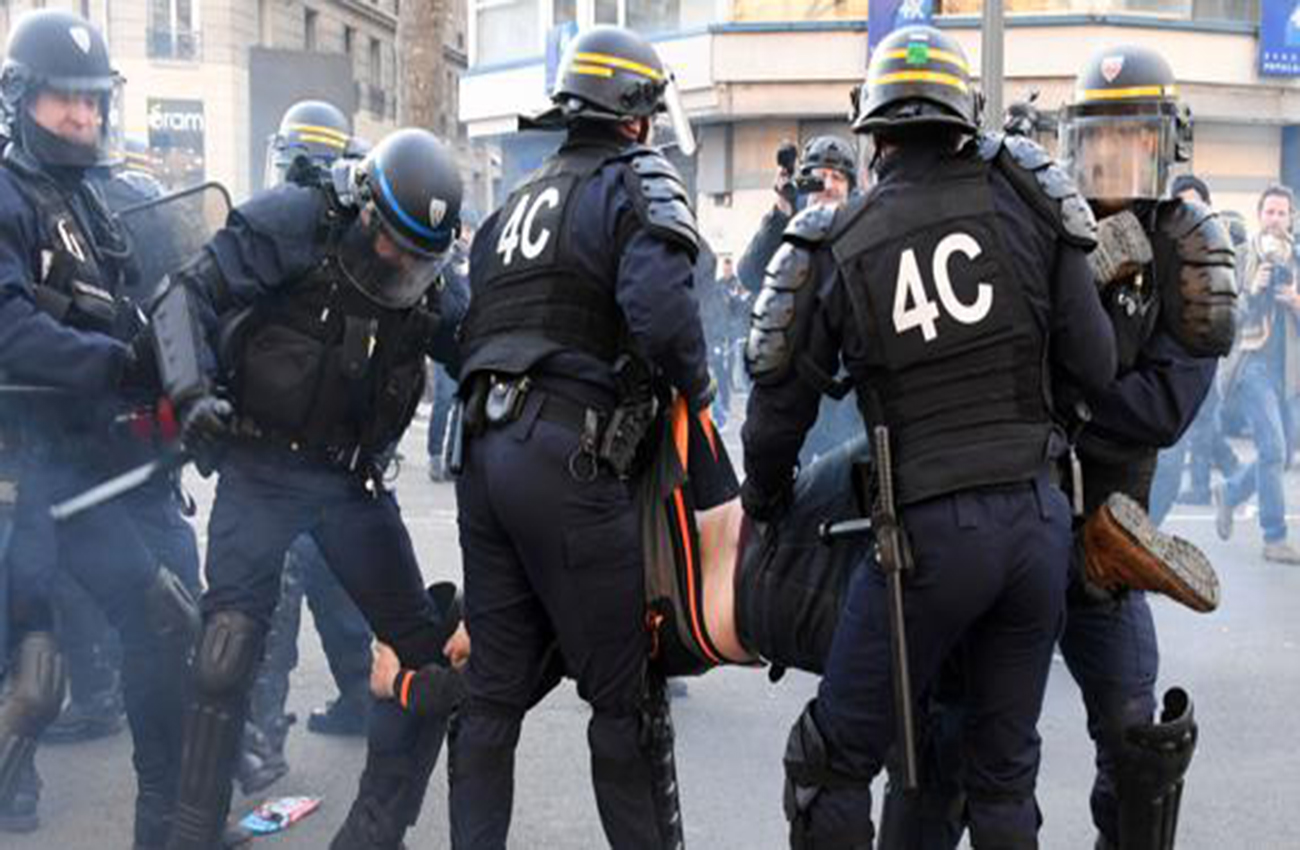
(673, 127)
(1117, 158)
(381, 269)
(275, 164)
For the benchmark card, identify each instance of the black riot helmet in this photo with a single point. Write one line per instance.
(1125, 128)
(918, 78)
(51, 50)
(408, 193)
(829, 152)
(312, 135)
(610, 73)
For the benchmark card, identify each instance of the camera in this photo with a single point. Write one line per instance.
(805, 182)
(787, 157)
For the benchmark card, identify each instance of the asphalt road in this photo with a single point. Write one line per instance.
(1238, 663)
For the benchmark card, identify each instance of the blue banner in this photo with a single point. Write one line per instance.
(557, 41)
(885, 16)
(1279, 38)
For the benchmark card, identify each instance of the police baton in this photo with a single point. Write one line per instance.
(894, 559)
(120, 485)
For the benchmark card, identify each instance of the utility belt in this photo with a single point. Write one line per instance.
(349, 457)
(611, 438)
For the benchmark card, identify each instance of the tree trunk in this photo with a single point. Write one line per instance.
(422, 65)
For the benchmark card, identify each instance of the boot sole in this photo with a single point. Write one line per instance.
(1189, 574)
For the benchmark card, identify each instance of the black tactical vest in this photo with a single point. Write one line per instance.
(75, 284)
(319, 366)
(954, 356)
(530, 298)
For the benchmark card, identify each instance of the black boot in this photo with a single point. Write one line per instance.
(392, 789)
(344, 717)
(19, 814)
(87, 720)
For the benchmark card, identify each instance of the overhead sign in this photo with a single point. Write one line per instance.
(1279, 38)
(885, 16)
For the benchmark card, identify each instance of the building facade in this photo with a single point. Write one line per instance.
(757, 72)
(208, 79)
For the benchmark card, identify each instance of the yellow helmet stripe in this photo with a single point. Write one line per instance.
(941, 55)
(591, 70)
(620, 63)
(320, 131)
(1126, 94)
(937, 77)
(323, 140)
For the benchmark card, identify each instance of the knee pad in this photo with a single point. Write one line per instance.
(229, 653)
(32, 697)
(172, 611)
(1149, 775)
(808, 776)
(35, 688)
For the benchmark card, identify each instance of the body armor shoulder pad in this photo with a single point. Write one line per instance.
(1044, 185)
(784, 299)
(1198, 232)
(661, 198)
(1198, 290)
(812, 226)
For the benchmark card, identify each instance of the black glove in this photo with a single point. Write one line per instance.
(205, 423)
(140, 371)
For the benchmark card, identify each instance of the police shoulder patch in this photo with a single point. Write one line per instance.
(661, 198)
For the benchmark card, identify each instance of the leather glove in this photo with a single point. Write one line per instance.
(1123, 249)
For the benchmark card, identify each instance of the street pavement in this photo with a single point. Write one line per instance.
(1239, 664)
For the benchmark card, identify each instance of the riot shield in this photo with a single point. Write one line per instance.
(167, 231)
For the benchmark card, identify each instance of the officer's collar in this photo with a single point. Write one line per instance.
(21, 160)
(594, 136)
(911, 161)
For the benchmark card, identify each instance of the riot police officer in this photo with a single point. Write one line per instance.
(939, 290)
(1172, 303)
(62, 328)
(1165, 269)
(312, 136)
(580, 285)
(314, 301)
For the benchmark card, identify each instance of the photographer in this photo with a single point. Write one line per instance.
(1265, 372)
(826, 175)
